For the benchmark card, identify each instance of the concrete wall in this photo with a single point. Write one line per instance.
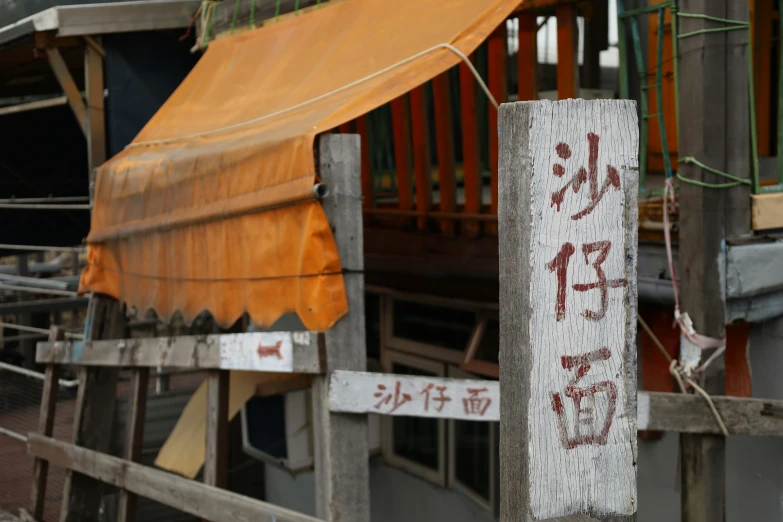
(754, 481)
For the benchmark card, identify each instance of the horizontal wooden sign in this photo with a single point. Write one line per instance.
(256, 351)
(478, 400)
(391, 394)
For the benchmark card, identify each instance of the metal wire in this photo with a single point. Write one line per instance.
(31, 290)
(40, 248)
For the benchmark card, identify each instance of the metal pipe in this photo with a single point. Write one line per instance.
(320, 190)
(35, 282)
(39, 248)
(36, 206)
(31, 290)
(67, 199)
(34, 105)
(33, 329)
(13, 435)
(36, 375)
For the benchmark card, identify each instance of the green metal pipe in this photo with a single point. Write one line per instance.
(667, 166)
(641, 10)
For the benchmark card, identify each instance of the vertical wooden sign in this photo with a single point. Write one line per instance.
(568, 242)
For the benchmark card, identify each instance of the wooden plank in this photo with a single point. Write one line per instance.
(691, 414)
(402, 151)
(95, 116)
(445, 146)
(172, 490)
(767, 211)
(496, 50)
(216, 460)
(738, 377)
(560, 317)
(364, 135)
(94, 411)
(567, 52)
(389, 394)
(707, 124)
(255, 351)
(527, 57)
(67, 84)
(342, 472)
(470, 147)
(134, 438)
(45, 427)
(355, 392)
(421, 153)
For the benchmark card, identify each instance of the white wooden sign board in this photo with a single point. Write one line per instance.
(261, 351)
(390, 394)
(568, 272)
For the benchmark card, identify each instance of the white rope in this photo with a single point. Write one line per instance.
(332, 93)
(13, 435)
(33, 329)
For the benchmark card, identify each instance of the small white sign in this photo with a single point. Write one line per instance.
(267, 351)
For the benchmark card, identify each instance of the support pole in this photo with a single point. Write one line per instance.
(94, 412)
(567, 52)
(714, 129)
(568, 310)
(342, 473)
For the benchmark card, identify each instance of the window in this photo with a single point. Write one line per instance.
(429, 330)
(415, 444)
(427, 337)
(473, 455)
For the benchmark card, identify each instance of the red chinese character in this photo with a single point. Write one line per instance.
(589, 175)
(441, 398)
(474, 404)
(587, 430)
(270, 351)
(559, 265)
(397, 400)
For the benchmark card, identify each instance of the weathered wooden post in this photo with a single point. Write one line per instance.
(568, 241)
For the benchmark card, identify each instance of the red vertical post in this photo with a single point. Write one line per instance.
(361, 130)
(421, 155)
(470, 150)
(445, 147)
(496, 46)
(527, 60)
(567, 52)
(401, 134)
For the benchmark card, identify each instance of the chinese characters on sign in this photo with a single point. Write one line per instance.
(431, 397)
(592, 405)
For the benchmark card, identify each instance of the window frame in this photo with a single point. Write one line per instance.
(389, 340)
(437, 477)
(470, 363)
(453, 481)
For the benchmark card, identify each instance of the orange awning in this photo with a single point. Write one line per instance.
(210, 207)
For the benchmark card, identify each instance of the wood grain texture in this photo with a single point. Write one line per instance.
(216, 446)
(256, 351)
(568, 221)
(45, 426)
(94, 411)
(342, 472)
(192, 497)
(134, 438)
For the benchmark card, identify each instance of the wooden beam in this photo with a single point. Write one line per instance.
(134, 438)
(402, 152)
(470, 147)
(256, 351)
(94, 411)
(67, 84)
(421, 152)
(561, 318)
(496, 50)
(35, 105)
(342, 472)
(45, 427)
(567, 52)
(445, 147)
(95, 117)
(353, 392)
(713, 129)
(763, 45)
(527, 57)
(216, 456)
(186, 495)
